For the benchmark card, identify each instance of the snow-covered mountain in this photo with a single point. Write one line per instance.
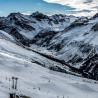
(69, 40)
(77, 45)
(30, 25)
(35, 81)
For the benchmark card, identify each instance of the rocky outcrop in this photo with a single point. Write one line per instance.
(95, 27)
(44, 38)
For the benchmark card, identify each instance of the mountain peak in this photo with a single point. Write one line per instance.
(39, 15)
(14, 14)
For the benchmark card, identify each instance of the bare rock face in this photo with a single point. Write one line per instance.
(95, 16)
(39, 16)
(90, 68)
(95, 27)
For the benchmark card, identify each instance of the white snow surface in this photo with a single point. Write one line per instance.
(4, 35)
(36, 81)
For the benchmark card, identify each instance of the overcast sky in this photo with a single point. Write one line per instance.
(76, 7)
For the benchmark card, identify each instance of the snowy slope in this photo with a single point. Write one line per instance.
(36, 81)
(6, 36)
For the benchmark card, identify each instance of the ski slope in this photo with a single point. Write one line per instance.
(36, 81)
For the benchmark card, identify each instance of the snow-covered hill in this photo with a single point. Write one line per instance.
(73, 40)
(34, 80)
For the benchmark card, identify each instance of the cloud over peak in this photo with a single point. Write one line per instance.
(84, 7)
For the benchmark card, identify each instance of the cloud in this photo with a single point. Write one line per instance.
(84, 6)
(27, 12)
(88, 1)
